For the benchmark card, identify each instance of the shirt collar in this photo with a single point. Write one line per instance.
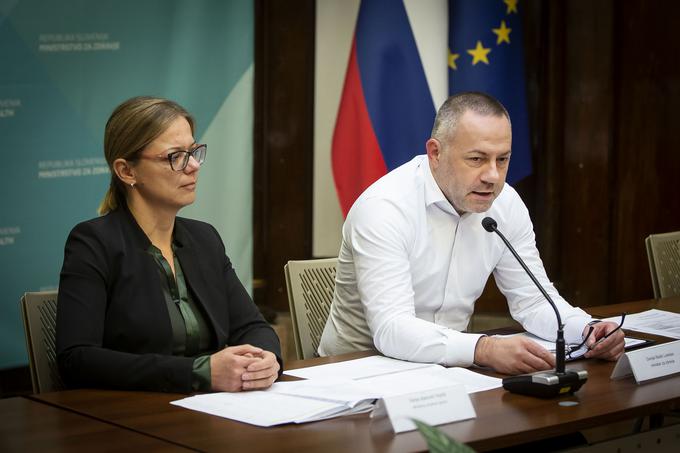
(433, 194)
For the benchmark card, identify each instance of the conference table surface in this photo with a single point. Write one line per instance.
(503, 419)
(29, 425)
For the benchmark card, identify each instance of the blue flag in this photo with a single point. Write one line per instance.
(486, 54)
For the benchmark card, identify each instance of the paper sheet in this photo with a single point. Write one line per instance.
(333, 392)
(261, 408)
(427, 378)
(356, 369)
(656, 322)
(344, 391)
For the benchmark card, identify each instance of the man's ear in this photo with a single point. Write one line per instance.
(124, 171)
(434, 149)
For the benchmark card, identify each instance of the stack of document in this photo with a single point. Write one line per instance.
(271, 407)
(342, 388)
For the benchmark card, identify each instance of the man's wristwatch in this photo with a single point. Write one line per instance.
(590, 324)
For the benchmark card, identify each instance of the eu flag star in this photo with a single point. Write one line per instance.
(452, 60)
(479, 53)
(512, 6)
(503, 33)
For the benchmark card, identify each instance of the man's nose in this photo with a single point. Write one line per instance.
(491, 174)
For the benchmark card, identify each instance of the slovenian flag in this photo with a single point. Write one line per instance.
(386, 110)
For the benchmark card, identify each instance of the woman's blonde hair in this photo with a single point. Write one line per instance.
(131, 127)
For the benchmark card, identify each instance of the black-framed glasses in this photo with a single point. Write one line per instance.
(623, 318)
(573, 348)
(180, 159)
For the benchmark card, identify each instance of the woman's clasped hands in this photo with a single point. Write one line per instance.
(243, 367)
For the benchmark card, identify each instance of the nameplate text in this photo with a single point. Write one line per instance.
(649, 363)
(434, 407)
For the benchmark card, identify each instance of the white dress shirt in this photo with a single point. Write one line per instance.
(410, 269)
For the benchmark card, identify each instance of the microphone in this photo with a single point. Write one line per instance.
(544, 384)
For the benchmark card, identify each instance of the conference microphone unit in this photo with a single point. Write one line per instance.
(544, 384)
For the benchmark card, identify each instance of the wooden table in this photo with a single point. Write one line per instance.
(503, 419)
(604, 311)
(34, 426)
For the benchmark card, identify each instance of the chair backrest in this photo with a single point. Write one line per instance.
(663, 253)
(39, 312)
(311, 284)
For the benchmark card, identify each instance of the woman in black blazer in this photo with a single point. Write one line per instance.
(149, 300)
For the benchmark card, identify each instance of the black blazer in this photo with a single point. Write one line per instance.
(113, 326)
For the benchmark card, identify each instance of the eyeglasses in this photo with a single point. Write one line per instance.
(623, 318)
(180, 159)
(573, 349)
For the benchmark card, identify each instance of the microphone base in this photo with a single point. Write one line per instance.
(546, 384)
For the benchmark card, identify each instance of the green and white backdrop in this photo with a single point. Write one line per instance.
(64, 66)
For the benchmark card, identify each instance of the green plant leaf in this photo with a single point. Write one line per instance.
(438, 442)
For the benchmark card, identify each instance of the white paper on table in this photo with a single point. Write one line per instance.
(428, 378)
(472, 381)
(345, 391)
(359, 391)
(327, 395)
(362, 407)
(356, 369)
(261, 408)
(656, 322)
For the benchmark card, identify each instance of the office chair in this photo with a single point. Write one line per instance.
(39, 313)
(310, 286)
(663, 254)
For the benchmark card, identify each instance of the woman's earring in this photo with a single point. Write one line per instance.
(132, 185)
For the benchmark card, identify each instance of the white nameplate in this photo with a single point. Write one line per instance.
(434, 407)
(649, 363)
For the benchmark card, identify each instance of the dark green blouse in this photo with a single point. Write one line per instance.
(192, 334)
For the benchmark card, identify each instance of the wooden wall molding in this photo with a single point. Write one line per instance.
(283, 143)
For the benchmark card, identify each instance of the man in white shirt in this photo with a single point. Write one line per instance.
(415, 257)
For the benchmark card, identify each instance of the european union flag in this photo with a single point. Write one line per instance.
(486, 54)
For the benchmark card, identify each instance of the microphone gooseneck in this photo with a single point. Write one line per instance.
(491, 226)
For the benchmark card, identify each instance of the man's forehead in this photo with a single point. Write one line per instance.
(486, 152)
(471, 116)
(476, 126)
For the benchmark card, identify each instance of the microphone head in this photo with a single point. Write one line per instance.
(489, 224)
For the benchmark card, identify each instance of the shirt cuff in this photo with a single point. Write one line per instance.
(573, 329)
(460, 349)
(200, 374)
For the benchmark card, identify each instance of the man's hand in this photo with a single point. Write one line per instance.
(262, 373)
(609, 348)
(514, 355)
(228, 366)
